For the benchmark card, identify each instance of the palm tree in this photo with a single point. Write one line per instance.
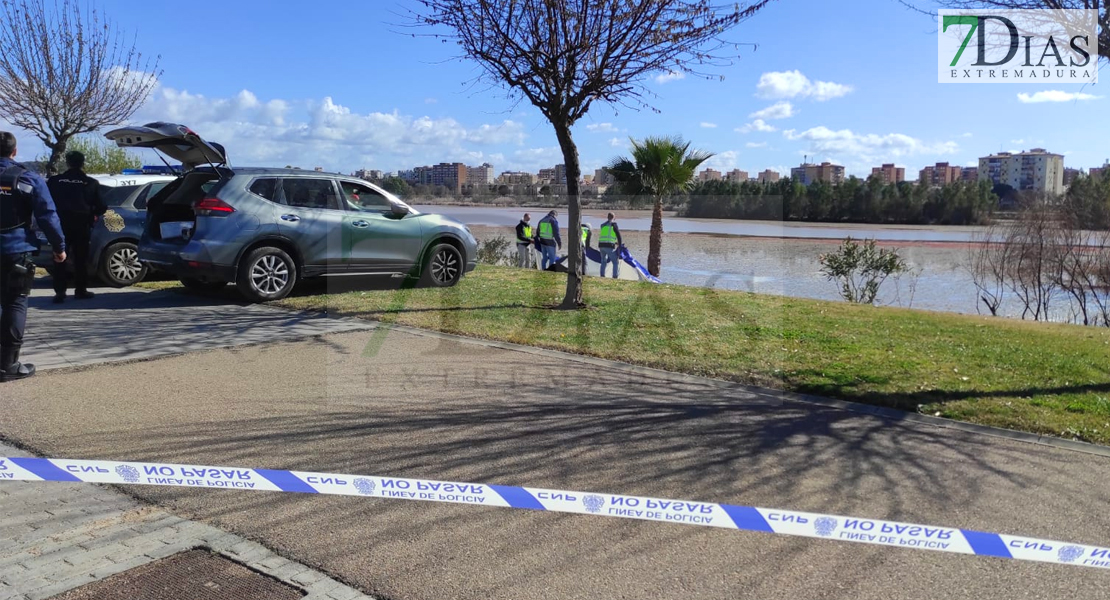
(659, 167)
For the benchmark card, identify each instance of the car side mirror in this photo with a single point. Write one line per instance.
(398, 210)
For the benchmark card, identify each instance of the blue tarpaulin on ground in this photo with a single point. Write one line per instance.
(624, 255)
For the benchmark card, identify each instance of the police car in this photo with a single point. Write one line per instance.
(113, 247)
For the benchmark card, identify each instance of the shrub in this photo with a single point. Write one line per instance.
(495, 251)
(860, 269)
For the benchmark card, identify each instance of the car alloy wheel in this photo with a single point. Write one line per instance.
(124, 264)
(269, 275)
(445, 266)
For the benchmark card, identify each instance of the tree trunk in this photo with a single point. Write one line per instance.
(655, 241)
(576, 261)
(57, 156)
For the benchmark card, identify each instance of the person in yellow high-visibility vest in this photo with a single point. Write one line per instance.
(550, 240)
(609, 243)
(525, 236)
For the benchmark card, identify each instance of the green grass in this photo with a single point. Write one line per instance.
(1042, 378)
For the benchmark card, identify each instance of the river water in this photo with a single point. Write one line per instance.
(781, 258)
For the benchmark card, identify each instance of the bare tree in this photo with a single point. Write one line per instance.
(988, 254)
(65, 71)
(564, 55)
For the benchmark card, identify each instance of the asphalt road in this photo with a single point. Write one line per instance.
(418, 406)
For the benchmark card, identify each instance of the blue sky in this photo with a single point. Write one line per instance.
(341, 85)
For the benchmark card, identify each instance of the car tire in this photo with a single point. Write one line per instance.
(266, 274)
(202, 285)
(120, 266)
(443, 266)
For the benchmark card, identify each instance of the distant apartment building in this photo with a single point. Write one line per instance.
(407, 174)
(480, 175)
(709, 175)
(546, 175)
(1036, 170)
(450, 175)
(603, 177)
(516, 178)
(736, 176)
(940, 174)
(1070, 175)
(1099, 172)
(969, 174)
(560, 174)
(768, 176)
(889, 173)
(369, 174)
(808, 173)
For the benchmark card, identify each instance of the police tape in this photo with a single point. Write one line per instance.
(706, 514)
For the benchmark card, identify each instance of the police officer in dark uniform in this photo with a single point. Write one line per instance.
(77, 197)
(23, 196)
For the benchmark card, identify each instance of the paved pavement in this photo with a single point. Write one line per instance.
(131, 324)
(420, 406)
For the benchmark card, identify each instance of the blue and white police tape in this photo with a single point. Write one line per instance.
(727, 516)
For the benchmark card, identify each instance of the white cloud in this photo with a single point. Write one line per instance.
(670, 76)
(708, 125)
(604, 127)
(756, 145)
(778, 110)
(722, 161)
(966, 135)
(616, 142)
(793, 84)
(756, 125)
(1017, 141)
(868, 148)
(534, 159)
(325, 133)
(1054, 96)
(430, 101)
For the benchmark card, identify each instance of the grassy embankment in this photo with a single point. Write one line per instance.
(1036, 377)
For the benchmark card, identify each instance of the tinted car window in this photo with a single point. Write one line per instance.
(267, 188)
(310, 193)
(363, 197)
(115, 196)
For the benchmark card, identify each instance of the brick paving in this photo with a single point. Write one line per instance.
(57, 537)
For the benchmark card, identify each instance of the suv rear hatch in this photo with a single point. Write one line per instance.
(174, 140)
(172, 212)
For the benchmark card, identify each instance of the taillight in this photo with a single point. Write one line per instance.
(213, 207)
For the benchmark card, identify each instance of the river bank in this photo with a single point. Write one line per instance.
(938, 279)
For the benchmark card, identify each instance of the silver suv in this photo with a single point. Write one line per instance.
(266, 229)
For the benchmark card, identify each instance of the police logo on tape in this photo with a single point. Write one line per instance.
(593, 502)
(1070, 553)
(825, 526)
(365, 486)
(128, 473)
